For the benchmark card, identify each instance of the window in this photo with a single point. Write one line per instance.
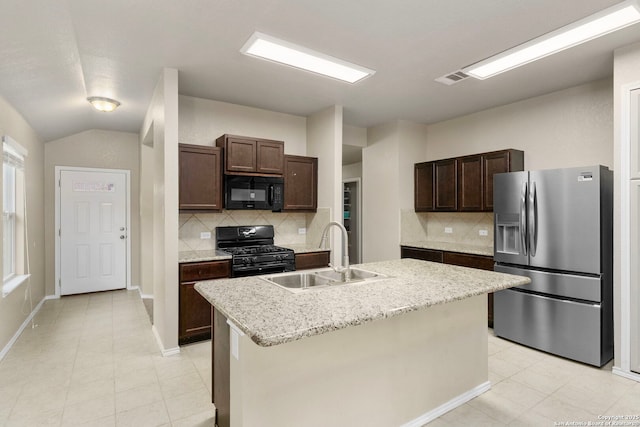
(9, 221)
(13, 215)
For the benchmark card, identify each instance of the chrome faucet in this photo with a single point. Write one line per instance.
(345, 270)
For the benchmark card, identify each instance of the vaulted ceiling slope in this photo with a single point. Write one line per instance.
(56, 53)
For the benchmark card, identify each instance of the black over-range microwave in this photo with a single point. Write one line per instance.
(253, 192)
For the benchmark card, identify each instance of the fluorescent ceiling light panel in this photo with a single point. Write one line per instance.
(604, 22)
(267, 47)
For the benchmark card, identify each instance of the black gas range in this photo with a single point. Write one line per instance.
(253, 250)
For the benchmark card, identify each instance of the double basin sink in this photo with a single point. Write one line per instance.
(319, 279)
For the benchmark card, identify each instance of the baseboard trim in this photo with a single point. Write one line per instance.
(165, 352)
(143, 296)
(22, 327)
(626, 374)
(448, 406)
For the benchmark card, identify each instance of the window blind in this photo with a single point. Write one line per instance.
(11, 156)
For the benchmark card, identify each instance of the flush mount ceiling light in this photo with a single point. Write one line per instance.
(270, 48)
(101, 103)
(604, 22)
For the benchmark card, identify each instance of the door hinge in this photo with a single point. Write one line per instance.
(60, 283)
(59, 183)
(59, 232)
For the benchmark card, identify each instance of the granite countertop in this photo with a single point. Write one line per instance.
(303, 249)
(452, 247)
(199, 256)
(216, 255)
(271, 315)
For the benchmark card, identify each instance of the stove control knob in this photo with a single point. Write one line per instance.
(254, 259)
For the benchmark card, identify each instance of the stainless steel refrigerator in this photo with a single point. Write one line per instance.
(556, 227)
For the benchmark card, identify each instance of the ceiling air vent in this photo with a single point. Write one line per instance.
(451, 78)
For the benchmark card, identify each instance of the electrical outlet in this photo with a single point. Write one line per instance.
(448, 230)
(483, 232)
(205, 235)
(302, 231)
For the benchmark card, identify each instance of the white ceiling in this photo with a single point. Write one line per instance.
(55, 53)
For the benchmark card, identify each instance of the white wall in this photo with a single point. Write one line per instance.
(204, 120)
(387, 185)
(13, 309)
(94, 149)
(571, 127)
(353, 170)
(160, 128)
(626, 72)
(411, 142)
(324, 141)
(353, 135)
(146, 215)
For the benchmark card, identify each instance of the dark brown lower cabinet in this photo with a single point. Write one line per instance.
(308, 260)
(194, 318)
(468, 260)
(423, 254)
(454, 258)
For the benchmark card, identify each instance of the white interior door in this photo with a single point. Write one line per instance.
(93, 231)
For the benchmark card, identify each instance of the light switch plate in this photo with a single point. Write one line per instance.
(448, 230)
(205, 235)
(302, 231)
(483, 232)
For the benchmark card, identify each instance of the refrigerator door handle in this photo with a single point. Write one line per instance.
(533, 219)
(523, 218)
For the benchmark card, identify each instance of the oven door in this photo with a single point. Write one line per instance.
(252, 270)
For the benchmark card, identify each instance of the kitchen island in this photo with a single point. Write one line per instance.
(401, 350)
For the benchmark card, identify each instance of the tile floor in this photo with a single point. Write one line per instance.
(93, 361)
(532, 388)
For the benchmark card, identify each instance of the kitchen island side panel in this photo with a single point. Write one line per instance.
(388, 372)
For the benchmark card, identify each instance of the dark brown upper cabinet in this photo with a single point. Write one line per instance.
(446, 185)
(200, 178)
(251, 156)
(300, 183)
(470, 183)
(463, 184)
(423, 186)
(498, 162)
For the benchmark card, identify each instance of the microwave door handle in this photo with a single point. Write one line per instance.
(270, 201)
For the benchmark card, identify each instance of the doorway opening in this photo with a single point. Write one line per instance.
(352, 217)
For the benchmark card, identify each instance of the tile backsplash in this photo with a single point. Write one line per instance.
(465, 227)
(285, 224)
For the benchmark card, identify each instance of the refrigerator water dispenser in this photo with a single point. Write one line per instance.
(508, 234)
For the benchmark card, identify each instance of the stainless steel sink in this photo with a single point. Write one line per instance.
(356, 274)
(300, 281)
